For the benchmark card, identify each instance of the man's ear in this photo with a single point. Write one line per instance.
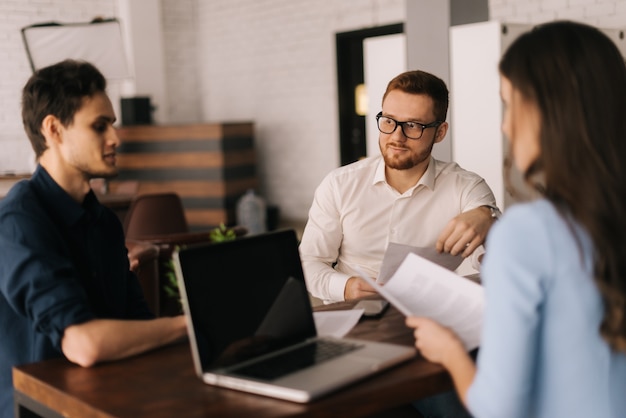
(441, 132)
(51, 129)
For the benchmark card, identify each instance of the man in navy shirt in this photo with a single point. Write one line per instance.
(65, 284)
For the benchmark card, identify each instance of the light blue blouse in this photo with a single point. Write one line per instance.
(541, 353)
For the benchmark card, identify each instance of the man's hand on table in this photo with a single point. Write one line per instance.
(357, 288)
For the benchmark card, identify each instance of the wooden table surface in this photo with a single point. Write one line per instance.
(162, 383)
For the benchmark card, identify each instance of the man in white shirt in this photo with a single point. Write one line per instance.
(403, 195)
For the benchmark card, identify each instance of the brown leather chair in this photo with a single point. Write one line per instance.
(159, 220)
(155, 214)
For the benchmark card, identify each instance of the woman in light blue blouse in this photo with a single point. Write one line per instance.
(554, 335)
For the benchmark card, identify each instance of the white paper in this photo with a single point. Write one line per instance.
(396, 253)
(336, 323)
(422, 288)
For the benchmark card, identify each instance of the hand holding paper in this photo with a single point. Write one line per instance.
(396, 253)
(422, 288)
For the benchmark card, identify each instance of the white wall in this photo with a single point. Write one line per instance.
(377, 74)
(142, 24)
(477, 141)
(427, 50)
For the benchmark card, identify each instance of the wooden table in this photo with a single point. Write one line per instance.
(162, 383)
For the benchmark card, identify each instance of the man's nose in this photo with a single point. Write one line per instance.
(113, 138)
(398, 134)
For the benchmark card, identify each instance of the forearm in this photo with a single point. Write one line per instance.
(323, 281)
(462, 369)
(104, 339)
(319, 249)
(441, 345)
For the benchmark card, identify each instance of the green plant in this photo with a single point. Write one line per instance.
(221, 234)
(216, 235)
(171, 285)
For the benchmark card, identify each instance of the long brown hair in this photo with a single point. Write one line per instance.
(577, 77)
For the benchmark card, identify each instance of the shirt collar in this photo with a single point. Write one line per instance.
(428, 178)
(379, 175)
(60, 203)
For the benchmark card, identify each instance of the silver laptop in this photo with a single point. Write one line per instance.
(251, 324)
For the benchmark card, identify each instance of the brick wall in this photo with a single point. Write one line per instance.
(181, 60)
(273, 62)
(602, 13)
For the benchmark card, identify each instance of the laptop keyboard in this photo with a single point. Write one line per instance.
(300, 358)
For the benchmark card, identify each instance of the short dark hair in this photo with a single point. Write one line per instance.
(421, 82)
(57, 90)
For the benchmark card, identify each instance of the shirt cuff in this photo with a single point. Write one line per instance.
(337, 287)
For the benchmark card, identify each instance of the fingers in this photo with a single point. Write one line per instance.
(357, 288)
(471, 246)
(444, 236)
(422, 332)
(134, 264)
(464, 233)
(460, 241)
(365, 287)
(417, 321)
(466, 245)
(431, 338)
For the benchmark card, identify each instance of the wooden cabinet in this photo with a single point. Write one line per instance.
(209, 165)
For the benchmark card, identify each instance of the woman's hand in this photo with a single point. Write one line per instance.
(437, 343)
(441, 345)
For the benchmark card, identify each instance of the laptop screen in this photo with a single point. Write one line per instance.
(245, 297)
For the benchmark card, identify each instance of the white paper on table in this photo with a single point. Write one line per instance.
(422, 288)
(336, 323)
(396, 253)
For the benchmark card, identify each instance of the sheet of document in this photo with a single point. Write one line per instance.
(422, 288)
(336, 323)
(396, 253)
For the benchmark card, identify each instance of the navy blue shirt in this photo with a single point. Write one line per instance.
(61, 263)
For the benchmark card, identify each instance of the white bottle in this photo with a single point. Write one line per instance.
(251, 213)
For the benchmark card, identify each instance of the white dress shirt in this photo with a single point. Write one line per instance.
(356, 213)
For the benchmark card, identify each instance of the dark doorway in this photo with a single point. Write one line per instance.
(352, 141)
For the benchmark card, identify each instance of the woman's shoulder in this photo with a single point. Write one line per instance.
(535, 233)
(528, 228)
(540, 208)
(537, 215)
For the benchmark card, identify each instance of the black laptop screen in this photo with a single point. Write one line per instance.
(246, 297)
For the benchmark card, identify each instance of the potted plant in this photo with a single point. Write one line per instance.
(216, 235)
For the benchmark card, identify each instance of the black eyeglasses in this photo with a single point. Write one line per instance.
(410, 129)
